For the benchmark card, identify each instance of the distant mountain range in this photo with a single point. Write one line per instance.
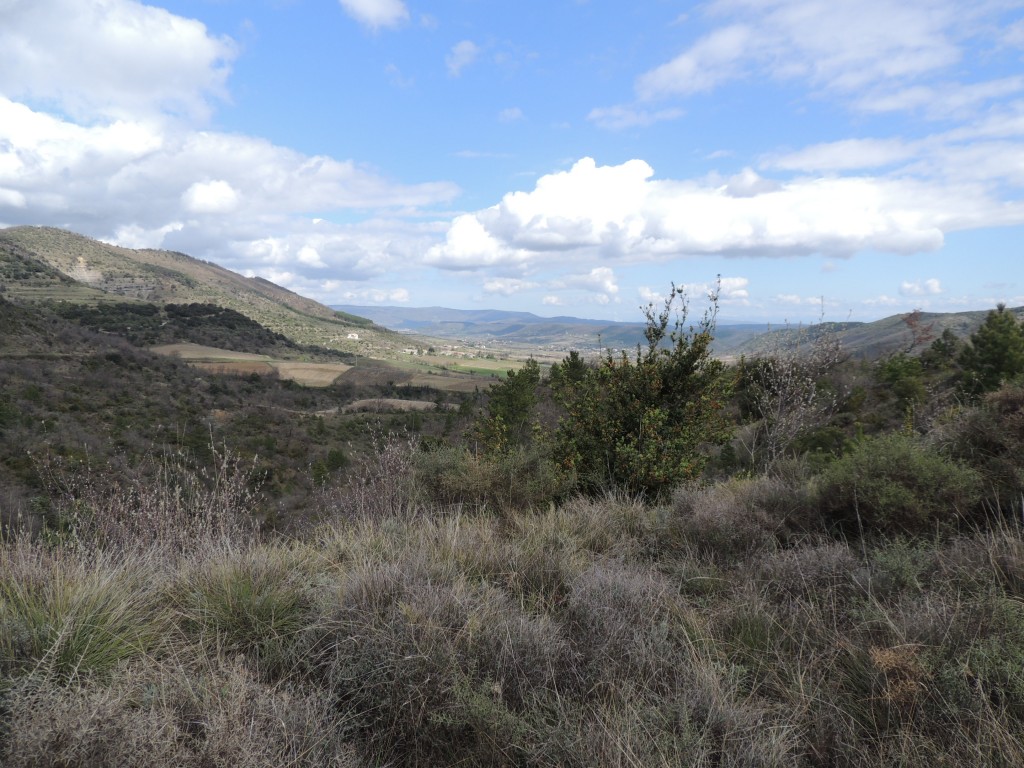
(490, 326)
(43, 263)
(526, 328)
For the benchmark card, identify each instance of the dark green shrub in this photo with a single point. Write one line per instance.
(902, 375)
(897, 484)
(995, 354)
(645, 422)
(990, 438)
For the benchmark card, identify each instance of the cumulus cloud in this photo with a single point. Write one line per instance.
(461, 56)
(99, 178)
(598, 280)
(623, 213)
(376, 13)
(210, 197)
(552, 301)
(931, 287)
(650, 296)
(112, 58)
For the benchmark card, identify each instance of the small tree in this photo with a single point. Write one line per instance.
(995, 354)
(510, 405)
(785, 392)
(642, 423)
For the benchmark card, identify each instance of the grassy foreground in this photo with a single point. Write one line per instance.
(158, 629)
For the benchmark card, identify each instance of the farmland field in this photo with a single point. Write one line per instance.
(217, 360)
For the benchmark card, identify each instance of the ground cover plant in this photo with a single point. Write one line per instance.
(851, 597)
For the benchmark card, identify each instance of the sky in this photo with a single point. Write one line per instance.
(816, 159)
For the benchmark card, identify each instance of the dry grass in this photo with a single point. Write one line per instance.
(594, 633)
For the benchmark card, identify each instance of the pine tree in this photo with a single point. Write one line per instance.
(995, 354)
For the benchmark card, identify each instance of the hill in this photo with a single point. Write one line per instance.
(40, 263)
(869, 341)
(525, 328)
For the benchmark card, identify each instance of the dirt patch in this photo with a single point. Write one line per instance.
(240, 368)
(310, 374)
(192, 352)
(217, 360)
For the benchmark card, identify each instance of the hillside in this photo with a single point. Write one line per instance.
(47, 263)
(869, 341)
(559, 333)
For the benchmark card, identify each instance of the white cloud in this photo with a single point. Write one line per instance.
(101, 177)
(134, 236)
(845, 155)
(622, 212)
(624, 116)
(650, 296)
(461, 56)
(847, 46)
(552, 301)
(931, 287)
(510, 115)
(506, 286)
(378, 295)
(210, 197)
(797, 300)
(882, 301)
(733, 289)
(599, 280)
(309, 256)
(110, 57)
(376, 13)
(708, 63)
(947, 100)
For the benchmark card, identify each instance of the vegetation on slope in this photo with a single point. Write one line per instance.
(845, 593)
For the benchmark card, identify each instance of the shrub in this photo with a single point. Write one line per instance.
(171, 716)
(520, 477)
(990, 438)
(897, 484)
(736, 518)
(645, 424)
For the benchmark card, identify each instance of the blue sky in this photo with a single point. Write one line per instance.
(850, 160)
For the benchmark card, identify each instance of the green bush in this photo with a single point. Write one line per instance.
(897, 484)
(645, 423)
(520, 477)
(990, 438)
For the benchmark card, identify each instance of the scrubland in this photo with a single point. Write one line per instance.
(728, 624)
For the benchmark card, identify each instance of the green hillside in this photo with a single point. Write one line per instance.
(79, 269)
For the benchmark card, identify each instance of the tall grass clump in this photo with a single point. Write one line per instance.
(69, 615)
(253, 602)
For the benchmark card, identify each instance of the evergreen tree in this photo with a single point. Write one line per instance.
(642, 423)
(995, 354)
(510, 405)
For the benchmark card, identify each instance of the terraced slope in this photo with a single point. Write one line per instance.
(44, 262)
